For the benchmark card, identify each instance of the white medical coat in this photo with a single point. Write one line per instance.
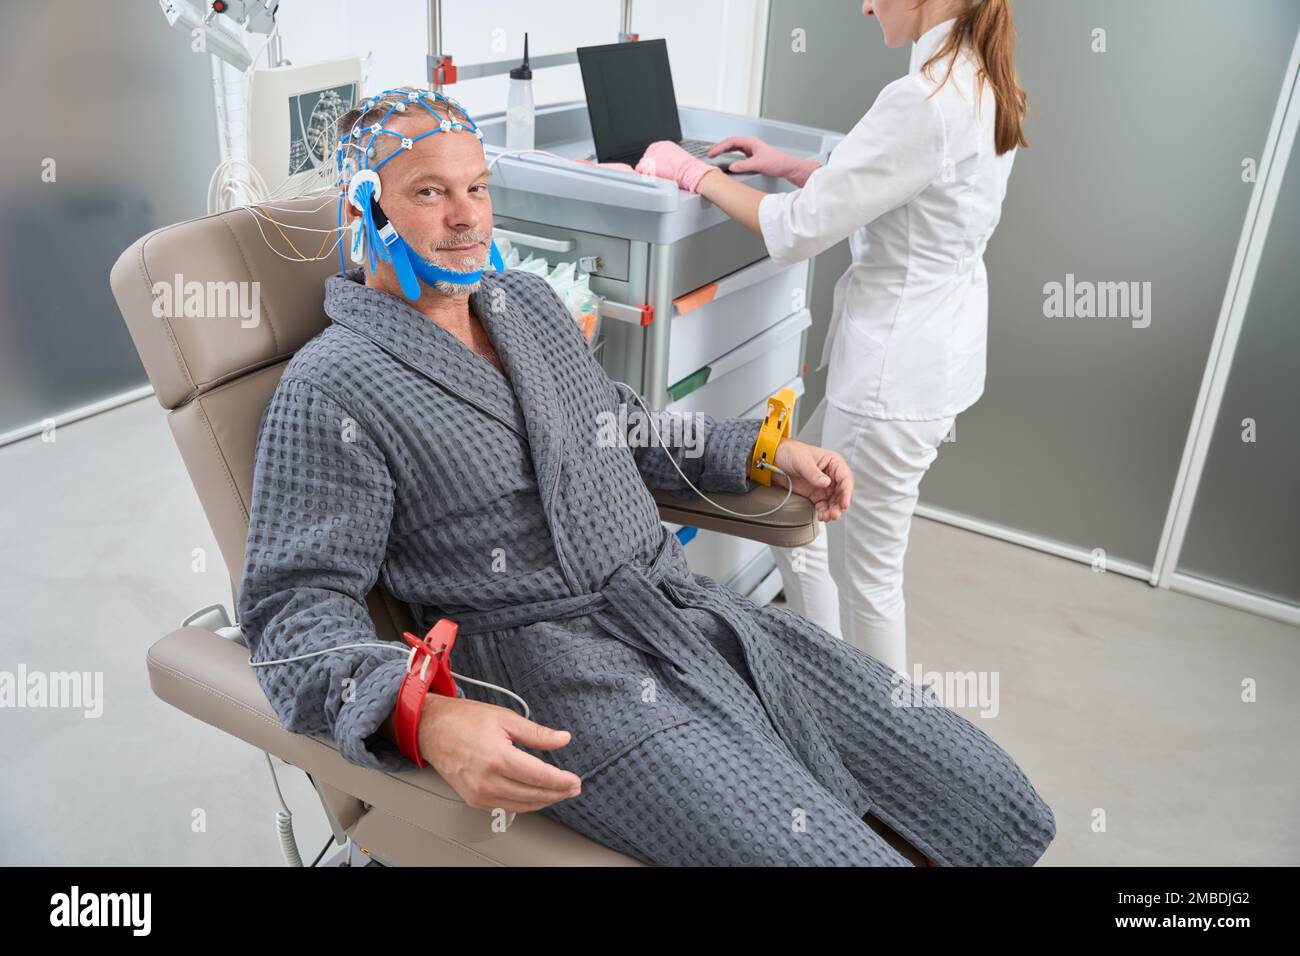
(917, 188)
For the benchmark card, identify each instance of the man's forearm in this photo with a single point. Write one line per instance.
(729, 450)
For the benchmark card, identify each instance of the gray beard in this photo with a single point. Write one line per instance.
(454, 290)
(458, 264)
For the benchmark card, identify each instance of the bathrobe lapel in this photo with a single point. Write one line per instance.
(528, 404)
(527, 360)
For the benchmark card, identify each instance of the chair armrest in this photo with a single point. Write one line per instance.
(792, 525)
(208, 676)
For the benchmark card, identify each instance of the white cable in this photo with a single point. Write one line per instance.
(255, 210)
(483, 683)
(539, 152)
(390, 646)
(329, 200)
(762, 464)
(223, 179)
(324, 255)
(517, 152)
(225, 176)
(284, 822)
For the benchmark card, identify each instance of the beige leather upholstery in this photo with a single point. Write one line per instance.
(215, 375)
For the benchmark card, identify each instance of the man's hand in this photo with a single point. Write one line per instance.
(472, 745)
(820, 475)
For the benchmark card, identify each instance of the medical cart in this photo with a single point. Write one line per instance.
(694, 313)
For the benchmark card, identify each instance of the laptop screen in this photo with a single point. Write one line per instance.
(630, 97)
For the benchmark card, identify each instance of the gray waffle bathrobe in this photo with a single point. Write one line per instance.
(706, 729)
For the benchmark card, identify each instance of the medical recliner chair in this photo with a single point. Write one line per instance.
(215, 378)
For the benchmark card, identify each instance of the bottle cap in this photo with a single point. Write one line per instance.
(523, 71)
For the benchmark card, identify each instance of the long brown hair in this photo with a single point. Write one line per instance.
(986, 26)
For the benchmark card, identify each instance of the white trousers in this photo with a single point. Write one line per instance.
(850, 579)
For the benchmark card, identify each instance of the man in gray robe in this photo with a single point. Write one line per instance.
(451, 450)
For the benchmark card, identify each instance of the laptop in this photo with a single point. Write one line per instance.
(631, 102)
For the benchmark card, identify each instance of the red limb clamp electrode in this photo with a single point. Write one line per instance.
(428, 669)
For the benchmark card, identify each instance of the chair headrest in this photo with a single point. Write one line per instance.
(210, 299)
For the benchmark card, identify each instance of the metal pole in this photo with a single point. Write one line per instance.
(276, 49)
(435, 43)
(654, 367)
(625, 25)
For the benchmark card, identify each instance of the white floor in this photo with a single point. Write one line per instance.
(1122, 703)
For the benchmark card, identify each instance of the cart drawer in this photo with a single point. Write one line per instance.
(718, 317)
(608, 254)
(746, 375)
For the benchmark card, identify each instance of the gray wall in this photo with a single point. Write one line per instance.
(115, 97)
(1133, 174)
(1245, 525)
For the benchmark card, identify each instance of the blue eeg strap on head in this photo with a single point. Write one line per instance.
(362, 189)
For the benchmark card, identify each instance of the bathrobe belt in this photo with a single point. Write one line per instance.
(633, 600)
(631, 587)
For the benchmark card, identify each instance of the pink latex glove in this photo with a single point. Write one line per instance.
(667, 160)
(766, 159)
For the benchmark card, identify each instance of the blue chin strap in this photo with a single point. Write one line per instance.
(410, 266)
(361, 188)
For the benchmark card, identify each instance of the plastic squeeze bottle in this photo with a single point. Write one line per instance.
(519, 105)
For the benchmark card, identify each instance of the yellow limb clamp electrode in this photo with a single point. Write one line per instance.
(776, 425)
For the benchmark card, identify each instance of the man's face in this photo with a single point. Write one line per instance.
(436, 196)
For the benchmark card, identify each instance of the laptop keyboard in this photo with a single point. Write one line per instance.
(696, 147)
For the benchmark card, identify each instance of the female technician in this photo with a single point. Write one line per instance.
(917, 187)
